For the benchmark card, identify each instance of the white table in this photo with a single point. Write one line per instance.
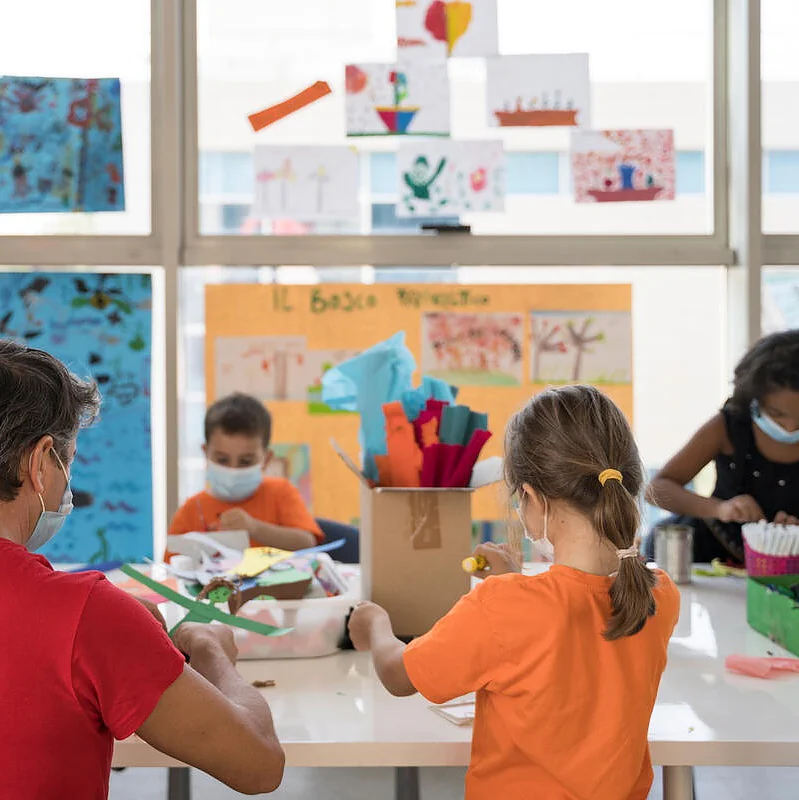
(333, 712)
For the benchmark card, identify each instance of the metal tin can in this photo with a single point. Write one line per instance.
(674, 551)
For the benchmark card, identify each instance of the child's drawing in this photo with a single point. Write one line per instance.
(306, 183)
(60, 145)
(447, 28)
(473, 349)
(623, 166)
(293, 462)
(319, 362)
(581, 347)
(539, 91)
(407, 98)
(266, 367)
(446, 178)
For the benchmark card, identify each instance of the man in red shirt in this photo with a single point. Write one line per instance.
(82, 663)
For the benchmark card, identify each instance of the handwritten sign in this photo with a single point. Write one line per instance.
(276, 342)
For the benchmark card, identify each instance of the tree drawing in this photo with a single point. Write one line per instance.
(580, 341)
(321, 177)
(547, 338)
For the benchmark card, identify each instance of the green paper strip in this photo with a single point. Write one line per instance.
(192, 616)
(203, 611)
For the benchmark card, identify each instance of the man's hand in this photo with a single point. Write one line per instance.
(362, 621)
(236, 519)
(784, 518)
(192, 638)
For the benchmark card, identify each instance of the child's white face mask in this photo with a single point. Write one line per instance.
(543, 546)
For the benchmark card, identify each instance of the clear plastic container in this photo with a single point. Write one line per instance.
(317, 620)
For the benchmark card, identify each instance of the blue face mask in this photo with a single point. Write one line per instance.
(51, 522)
(772, 429)
(231, 484)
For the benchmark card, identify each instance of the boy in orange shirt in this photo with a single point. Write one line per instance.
(566, 664)
(238, 429)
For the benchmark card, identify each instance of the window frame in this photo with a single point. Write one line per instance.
(734, 182)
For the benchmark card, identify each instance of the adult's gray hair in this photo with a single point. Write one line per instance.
(39, 396)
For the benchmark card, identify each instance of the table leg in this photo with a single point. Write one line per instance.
(406, 783)
(678, 783)
(178, 783)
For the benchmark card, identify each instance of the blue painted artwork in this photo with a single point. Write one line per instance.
(60, 145)
(100, 326)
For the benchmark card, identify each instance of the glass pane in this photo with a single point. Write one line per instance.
(673, 395)
(780, 19)
(89, 39)
(780, 298)
(252, 54)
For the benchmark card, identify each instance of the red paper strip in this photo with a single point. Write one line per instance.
(261, 119)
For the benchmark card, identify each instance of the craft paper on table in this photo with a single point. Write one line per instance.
(446, 178)
(581, 347)
(473, 349)
(60, 145)
(307, 183)
(224, 543)
(623, 166)
(292, 462)
(539, 91)
(447, 28)
(407, 98)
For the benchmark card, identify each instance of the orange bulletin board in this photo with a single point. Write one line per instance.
(499, 344)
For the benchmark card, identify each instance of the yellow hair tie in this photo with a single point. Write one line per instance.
(610, 475)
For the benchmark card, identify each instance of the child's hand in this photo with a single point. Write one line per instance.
(235, 519)
(362, 621)
(501, 559)
(742, 508)
(783, 518)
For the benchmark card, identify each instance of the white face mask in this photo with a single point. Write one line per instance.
(51, 522)
(233, 484)
(542, 546)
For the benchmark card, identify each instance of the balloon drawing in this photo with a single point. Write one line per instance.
(448, 21)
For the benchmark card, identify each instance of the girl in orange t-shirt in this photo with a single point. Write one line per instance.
(566, 664)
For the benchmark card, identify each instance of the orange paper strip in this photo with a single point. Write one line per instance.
(383, 465)
(430, 432)
(269, 116)
(403, 453)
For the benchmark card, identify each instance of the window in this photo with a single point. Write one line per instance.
(250, 57)
(780, 299)
(673, 395)
(781, 172)
(85, 38)
(691, 172)
(780, 74)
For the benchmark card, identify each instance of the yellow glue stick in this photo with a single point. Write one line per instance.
(474, 564)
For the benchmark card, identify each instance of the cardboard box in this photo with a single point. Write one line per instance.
(772, 613)
(412, 544)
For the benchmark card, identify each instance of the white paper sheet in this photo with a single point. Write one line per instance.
(409, 98)
(439, 178)
(454, 28)
(306, 183)
(539, 91)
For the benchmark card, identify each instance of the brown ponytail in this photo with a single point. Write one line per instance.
(617, 518)
(559, 444)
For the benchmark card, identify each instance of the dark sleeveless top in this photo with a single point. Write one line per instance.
(774, 486)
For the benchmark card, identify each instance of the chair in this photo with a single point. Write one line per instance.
(350, 552)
